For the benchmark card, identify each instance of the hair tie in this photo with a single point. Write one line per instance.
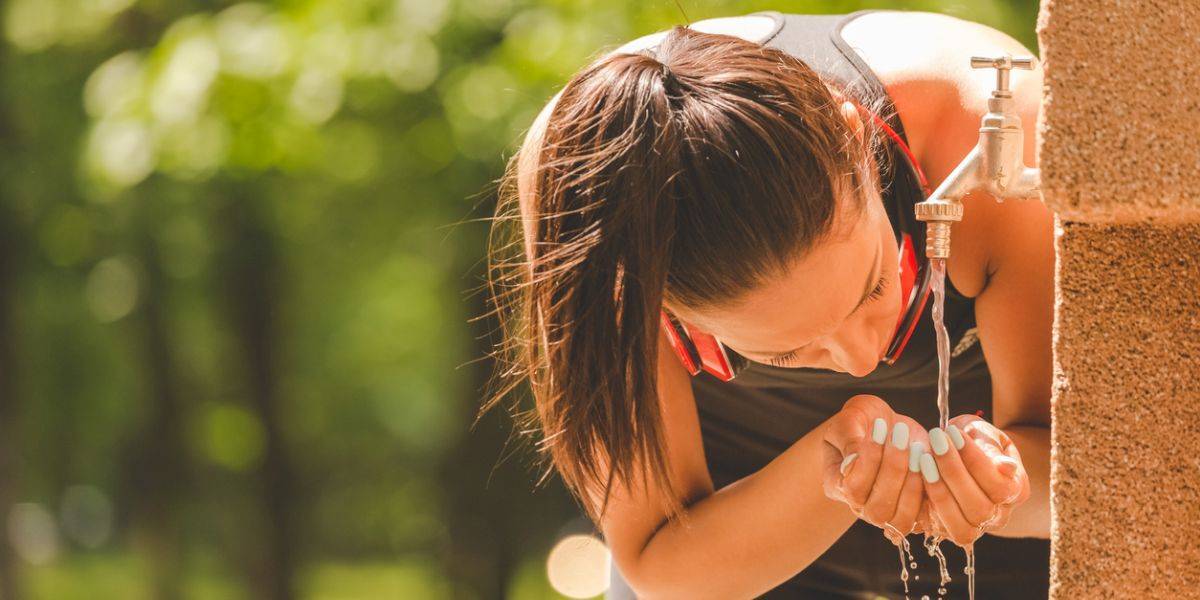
(664, 70)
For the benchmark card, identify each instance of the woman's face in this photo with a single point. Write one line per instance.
(835, 308)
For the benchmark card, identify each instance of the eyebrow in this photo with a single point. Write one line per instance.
(868, 287)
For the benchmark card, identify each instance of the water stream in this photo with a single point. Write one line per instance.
(933, 543)
(943, 339)
(938, 265)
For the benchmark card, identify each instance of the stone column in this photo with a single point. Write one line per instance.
(1120, 159)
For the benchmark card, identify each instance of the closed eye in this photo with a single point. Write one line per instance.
(875, 294)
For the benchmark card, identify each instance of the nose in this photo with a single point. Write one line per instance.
(856, 354)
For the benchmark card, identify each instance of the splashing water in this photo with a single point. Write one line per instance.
(904, 549)
(970, 571)
(933, 547)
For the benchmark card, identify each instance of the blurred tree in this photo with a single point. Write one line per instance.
(158, 467)
(252, 269)
(12, 246)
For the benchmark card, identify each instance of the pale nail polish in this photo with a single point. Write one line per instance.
(955, 436)
(880, 431)
(914, 456)
(938, 441)
(900, 435)
(846, 461)
(929, 468)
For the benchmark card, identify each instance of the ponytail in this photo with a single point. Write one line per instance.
(601, 246)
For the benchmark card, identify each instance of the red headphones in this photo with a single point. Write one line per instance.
(700, 351)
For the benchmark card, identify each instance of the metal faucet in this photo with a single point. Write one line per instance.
(995, 164)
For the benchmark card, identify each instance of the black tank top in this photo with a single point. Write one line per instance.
(745, 423)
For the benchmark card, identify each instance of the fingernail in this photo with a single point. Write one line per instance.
(929, 468)
(955, 436)
(914, 456)
(937, 439)
(846, 461)
(900, 435)
(880, 431)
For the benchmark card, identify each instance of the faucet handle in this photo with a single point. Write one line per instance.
(1004, 65)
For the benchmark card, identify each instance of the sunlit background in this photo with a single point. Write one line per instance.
(239, 248)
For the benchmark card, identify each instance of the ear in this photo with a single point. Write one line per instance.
(853, 120)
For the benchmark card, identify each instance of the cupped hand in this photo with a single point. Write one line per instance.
(871, 464)
(973, 479)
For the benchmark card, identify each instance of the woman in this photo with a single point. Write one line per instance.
(740, 177)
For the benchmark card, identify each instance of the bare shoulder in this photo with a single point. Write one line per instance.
(899, 43)
(923, 61)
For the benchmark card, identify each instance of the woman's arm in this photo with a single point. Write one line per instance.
(737, 542)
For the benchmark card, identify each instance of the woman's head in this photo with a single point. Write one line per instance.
(834, 306)
(720, 179)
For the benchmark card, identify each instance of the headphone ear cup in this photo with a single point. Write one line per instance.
(678, 338)
(713, 355)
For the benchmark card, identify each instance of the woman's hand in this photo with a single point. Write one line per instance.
(871, 464)
(973, 479)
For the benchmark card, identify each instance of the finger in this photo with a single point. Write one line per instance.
(944, 507)
(860, 473)
(983, 432)
(974, 503)
(1020, 476)
(893, 535)
(831, 476)
(880, 506)
(993, 475)
(854, 421)
(998, 519)
(909, 504)
(988, 446)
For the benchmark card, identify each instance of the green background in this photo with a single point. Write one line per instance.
(240, 250)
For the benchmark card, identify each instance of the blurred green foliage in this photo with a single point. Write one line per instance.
(240, 247)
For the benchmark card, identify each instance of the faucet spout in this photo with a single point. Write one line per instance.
(944, 206)
(995, 164)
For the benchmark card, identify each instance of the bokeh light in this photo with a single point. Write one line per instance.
(86, 515)
(121, 152)
(33, 533)
(230, 436)
(578, 566)
(112, 289)
(253, 41)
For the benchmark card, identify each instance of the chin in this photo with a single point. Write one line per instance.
(865, 373)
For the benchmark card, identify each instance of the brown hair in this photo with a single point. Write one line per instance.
(685, 179)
